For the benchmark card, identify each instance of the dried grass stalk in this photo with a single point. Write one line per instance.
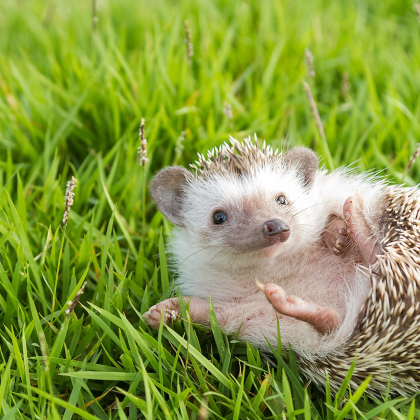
(412, 159)
(314, 109)
(73, 303)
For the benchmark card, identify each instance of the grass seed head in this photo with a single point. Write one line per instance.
(309, 59)
(69, 199)
(73, 303)
(94, 14)
(189, 44)
(142, 150)
(227, 110)
(179, 146)
(43, 347)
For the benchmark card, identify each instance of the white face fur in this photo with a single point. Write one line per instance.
(232, 216)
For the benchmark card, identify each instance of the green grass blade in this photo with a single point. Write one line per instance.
(201, 359)
(27, 250)
(62, 403)
(354, 398)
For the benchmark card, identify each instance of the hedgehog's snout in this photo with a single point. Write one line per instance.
(277, 227)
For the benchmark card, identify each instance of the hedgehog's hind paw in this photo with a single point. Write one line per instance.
(324, 319)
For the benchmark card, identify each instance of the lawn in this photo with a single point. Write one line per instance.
(76, 78)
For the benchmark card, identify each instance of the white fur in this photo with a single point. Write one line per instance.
(303, 267)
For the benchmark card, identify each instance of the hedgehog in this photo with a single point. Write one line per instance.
(271, 237)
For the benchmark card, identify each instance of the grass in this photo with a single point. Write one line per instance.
(72, 98)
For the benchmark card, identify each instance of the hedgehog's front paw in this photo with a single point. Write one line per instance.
(336, 236)
(170, 309)
(359, 229)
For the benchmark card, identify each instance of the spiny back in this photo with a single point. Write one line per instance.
(235, 158)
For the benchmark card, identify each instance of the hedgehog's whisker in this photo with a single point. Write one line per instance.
(293, 202)
(317, 204)
(196, 252)
(301, 229)
(216, 255)
(306, 224)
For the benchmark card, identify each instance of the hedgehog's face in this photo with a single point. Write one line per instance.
(264, 213)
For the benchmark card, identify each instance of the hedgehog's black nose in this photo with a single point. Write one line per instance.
(274, 227)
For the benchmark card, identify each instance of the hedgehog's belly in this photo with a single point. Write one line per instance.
(317, 276)
(323, 278)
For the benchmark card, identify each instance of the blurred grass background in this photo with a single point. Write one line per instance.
(71, 100)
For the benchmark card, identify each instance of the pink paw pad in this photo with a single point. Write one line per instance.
(168, 307)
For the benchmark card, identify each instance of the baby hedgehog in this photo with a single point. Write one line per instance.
(249, 213)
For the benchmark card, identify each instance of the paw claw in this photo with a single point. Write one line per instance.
(342, 231)
(336, 236)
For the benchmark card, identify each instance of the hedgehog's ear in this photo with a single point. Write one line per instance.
(167, 189)
(305, 160)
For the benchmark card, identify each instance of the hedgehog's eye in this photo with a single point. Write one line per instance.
(219, 217)
(281, 199)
